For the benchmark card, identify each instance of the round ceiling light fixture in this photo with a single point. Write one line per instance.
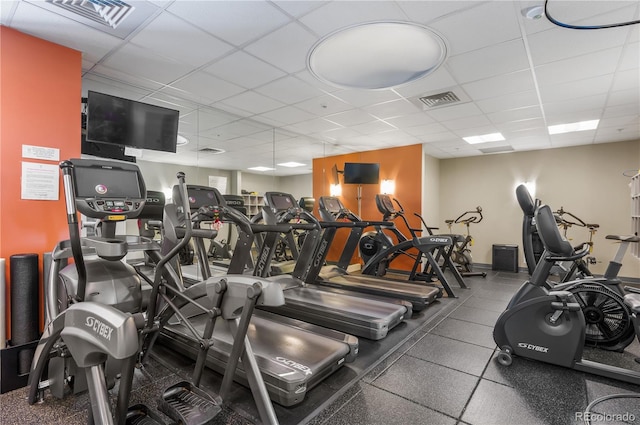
(376, 55)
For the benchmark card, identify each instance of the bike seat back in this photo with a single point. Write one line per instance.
(549, 233)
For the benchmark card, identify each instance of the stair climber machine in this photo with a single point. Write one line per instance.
(99, 330)
(335, 277)
(293, 356)
(549, 325)
(608, 319)
(378, 250)
(354, 315)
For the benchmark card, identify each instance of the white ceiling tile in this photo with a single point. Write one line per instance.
(486, 24)
(572, 139)
(506, 102)
(340, 14)
(236, 22)
(126, 78)
(298, 8)
(487, 62)
(244, 70)
(136, 60)
(576, 89)
(287, 115)
(361, 98)
(289, 90)
(100, 84)
(424, 129)
(316, 125)
(350, 118)
(307, 77)
(522, 125)
(426, 12)
(285, 48)
(324, 105)
(579, 67)
(622, 110)
(372, 127)
(341, 134)
(454, 112)
(630, 57)
(623, 97)
(559, 43)
(203, 85)
(586, 103)
(519, 114)
(394, 108)
(469, 123)
(501, 85)
(626, 80)
(253, 102)
(608, 135)
(438, 137)
(410, 120)
(172, 37)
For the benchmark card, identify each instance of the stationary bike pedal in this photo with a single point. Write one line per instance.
(140, 414)
(189, 405)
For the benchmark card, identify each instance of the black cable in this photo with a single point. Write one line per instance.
(584, 27)
(587, 411)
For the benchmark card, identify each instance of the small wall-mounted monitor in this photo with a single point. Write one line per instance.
(125, 122)
(361, 173)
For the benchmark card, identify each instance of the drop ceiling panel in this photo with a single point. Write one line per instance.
(410, 120)
(201, 85)
(252, 102)
(580, 104)
(362, 98)
(426, 12)
(579, 67)
(286, 48)
(490, 23)
(501, 85)
(467, 123)
(170, 36)
(339, 14)
(289, 90)
(350, 118)
(630, 57)
(558, 44)
(494, 60)
(236, 22)
(286, 115)
(298, 8)
(454, 112)
(316, 125)
(501, 103)
(576, 89)
(626, 80)
(394, 108)
(139, 81)
(373, 127)
(324, 105)
(432, 83)
(244, 70)
(515, 115)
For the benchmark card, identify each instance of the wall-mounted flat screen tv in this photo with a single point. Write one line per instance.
(125, 122)
(361, 173)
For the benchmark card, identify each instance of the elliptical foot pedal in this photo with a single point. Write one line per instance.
(140, 414)
(189, 405)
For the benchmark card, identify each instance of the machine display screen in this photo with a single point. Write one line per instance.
(332, 205)
(281, 202)
(199, 198)
(97, 182)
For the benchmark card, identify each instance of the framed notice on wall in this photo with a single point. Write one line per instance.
(219, 183)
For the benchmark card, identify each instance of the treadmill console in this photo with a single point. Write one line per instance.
(280, 202)
(385, 205)
(108, 190)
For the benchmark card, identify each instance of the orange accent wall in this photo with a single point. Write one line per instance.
(402, 164)
(40, 90)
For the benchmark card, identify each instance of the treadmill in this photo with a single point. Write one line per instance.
(292, 356)
(420, 296)
(352, 314)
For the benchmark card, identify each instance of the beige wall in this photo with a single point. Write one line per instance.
(431, 190)
(585, 180)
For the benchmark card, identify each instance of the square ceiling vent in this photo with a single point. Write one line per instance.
(441, 99)
(114, 17)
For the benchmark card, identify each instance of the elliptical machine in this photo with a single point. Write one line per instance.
(101, 338)
(549, 326)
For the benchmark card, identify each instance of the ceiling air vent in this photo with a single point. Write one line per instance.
(498, 149)
(212, 151)
(105, 12)
(440, 99)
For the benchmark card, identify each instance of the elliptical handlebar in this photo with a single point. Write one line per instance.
(475, 216)
(578, 222)
(74, 231)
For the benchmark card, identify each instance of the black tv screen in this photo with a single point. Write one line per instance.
(361, 173)
(104, 150)
(125, 122)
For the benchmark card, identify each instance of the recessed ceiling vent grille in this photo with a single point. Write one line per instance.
(440, 99)
(498, 149)
(212, 151)
(105, 12)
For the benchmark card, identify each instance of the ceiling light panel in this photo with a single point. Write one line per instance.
(260, 168)
(573, 127)
(291, 164)
(377, 55)
(485, 138)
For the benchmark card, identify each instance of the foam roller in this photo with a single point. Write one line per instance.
(24, 305)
